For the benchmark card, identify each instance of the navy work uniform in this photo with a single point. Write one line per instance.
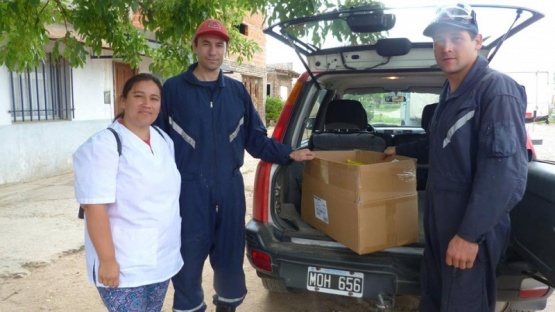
(212, 123)
(477, 174)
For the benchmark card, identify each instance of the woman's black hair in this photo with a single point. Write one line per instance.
(130, 83)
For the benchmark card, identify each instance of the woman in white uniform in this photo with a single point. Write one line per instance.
(131, 203)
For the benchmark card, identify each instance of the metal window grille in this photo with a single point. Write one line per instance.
(44, 93)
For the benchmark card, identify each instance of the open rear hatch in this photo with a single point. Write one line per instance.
(368, 37)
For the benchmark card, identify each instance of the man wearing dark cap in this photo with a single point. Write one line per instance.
(477, 168)
(212, 121)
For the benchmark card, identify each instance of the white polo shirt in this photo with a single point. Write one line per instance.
(142, 189)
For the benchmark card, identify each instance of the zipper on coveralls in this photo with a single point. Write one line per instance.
(214, 145)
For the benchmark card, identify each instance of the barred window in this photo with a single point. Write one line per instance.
(44, 93)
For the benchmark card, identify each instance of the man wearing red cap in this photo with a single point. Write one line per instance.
(478, 168)
(212, 121)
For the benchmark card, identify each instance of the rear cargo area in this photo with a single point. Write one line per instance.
(288, 213)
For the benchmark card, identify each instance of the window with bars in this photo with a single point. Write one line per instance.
(44, 93)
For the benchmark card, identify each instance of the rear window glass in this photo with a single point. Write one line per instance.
(394, 109)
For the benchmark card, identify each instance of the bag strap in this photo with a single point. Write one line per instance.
(81, 213)
(159, 131)
(118, 141)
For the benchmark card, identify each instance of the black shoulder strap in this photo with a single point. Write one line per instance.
(159, 131)
(118, 141)
(81, 213)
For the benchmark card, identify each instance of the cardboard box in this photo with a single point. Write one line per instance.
(366, 207)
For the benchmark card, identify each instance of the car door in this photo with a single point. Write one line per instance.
(533, 219)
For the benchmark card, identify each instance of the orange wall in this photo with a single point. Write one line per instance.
(255, 24)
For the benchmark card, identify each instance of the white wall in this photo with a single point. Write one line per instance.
(89, 85)
(40, 149)
(5, 97)
(33, 150)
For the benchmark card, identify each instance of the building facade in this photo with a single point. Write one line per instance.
(46, 113)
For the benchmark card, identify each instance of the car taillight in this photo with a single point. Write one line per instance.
(531, 288)
(285, 115)
(530, 147)
(261, 260)
(261, 192)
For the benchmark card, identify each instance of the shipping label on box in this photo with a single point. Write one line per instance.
(321, 210)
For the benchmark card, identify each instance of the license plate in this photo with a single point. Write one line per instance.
(338, 282)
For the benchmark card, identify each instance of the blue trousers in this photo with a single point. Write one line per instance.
(213, 214)
(445, 288)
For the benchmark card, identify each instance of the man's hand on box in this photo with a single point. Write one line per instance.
(389, 151)
(302, 155)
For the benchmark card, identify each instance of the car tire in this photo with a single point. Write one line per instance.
(274, 285)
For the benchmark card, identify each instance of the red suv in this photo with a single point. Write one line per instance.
(371, 69)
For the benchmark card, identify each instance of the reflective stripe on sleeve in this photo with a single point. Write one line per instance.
(458, 124)
(182, 133)
(234, 134)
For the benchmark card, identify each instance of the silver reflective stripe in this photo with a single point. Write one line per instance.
(192, 310)
(458, 124)
(182, 133)
(234, 134)
(230, 300)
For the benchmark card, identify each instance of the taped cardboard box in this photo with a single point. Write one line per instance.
(361, 200)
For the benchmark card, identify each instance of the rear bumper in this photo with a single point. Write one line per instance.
(384, 272)
(395, 272)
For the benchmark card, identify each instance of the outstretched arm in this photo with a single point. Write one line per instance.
(302, 154)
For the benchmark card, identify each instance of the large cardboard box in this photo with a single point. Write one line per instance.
(366, 207)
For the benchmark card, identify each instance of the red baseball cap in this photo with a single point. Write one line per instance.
(212, 27)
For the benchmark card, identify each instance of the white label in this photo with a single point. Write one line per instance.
(321, 209)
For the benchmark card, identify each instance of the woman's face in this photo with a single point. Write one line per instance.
(142, 104)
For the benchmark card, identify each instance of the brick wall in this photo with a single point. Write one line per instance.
(280, 75)
(253, 70)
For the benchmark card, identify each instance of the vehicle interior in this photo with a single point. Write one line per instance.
(346, 114)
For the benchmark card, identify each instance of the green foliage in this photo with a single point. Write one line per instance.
(274, 105)
(91, 26)
(318, 32)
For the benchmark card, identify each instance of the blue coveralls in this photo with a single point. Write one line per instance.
(211, 124)
(477, 174)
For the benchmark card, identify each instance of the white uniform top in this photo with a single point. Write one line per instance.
(141, 188)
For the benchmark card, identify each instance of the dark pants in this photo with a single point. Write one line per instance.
(445, 288)
(213, 215)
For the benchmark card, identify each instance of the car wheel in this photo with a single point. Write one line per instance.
(274, 285)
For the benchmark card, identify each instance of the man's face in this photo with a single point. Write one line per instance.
(210, 51)
(455, 50)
